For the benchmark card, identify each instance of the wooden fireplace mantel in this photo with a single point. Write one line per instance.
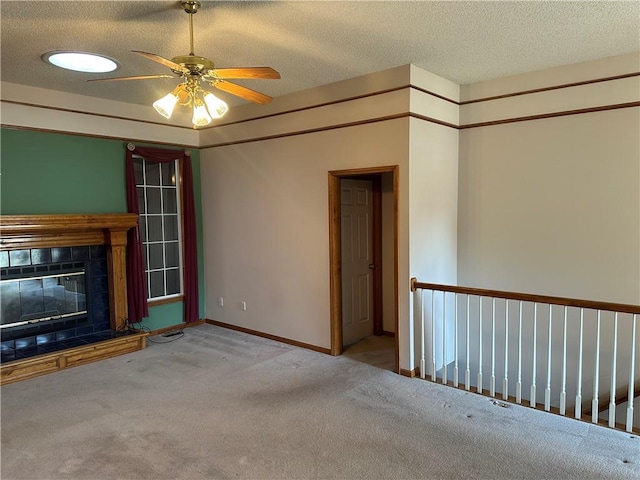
(110, 229)
(36, 231)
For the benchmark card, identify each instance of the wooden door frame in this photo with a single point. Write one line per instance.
(335, 247)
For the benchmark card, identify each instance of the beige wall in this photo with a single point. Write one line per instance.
(48, 110)
(433, 204)
(266, 225)
(388, 255)
(505, 206)
(552, 205)
(265, 200)
(562, 75)
(433, 200)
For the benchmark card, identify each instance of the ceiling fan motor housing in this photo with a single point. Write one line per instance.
(195, 64)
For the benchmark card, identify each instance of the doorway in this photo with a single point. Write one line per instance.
(371, 279)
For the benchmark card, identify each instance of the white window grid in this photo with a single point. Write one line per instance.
(162, 215)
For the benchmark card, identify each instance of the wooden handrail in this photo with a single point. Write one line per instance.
(528, 297)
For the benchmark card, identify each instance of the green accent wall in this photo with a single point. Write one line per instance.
(53, 173)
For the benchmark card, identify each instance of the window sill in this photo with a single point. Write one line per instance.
(163, 301)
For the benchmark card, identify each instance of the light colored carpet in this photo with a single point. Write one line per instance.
(219, 404)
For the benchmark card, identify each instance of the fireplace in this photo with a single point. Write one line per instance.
(32, 300)
(62, 282)
(52, 298)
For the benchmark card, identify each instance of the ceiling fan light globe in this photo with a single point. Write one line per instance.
(165, 105)
(217, 107)
(200, 116)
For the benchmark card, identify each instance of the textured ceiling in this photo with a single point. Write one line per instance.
(310, 43)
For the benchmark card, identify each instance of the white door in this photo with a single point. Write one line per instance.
(356, 215)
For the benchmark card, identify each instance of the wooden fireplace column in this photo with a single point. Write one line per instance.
(110, 229)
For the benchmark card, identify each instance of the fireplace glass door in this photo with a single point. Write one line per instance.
(40, 298)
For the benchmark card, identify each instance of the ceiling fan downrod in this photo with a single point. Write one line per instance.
(191, 7)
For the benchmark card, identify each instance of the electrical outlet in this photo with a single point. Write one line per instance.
(244, 306)
(220, 302)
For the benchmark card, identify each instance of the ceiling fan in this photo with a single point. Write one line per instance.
(193, 70)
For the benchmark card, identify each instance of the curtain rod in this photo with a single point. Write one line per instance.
(132, 146)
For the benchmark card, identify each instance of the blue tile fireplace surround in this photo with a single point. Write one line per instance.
(62, 286)
(52, 299)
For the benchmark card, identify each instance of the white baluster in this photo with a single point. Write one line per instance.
(505, 381)
(532, 398)
(467, 372)
(479, 384)
(492, 381)
(423, 334)
(563, 392)
(596, 374)
(444, 337)
(547, 392)
(578, 409)
(433, 337)
(455, 341)
(519, 382)
(612, 402)
(632, 379)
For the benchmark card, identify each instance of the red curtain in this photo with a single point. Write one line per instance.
(136, 278)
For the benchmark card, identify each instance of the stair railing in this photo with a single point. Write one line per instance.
(584, 352)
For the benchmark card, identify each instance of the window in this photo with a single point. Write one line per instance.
(159, 204)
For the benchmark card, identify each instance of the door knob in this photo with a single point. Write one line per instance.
(371, 266)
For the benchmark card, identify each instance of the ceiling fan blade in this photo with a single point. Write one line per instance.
(245, 72)
(137, 77)
(161, 60)
(242, 92)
